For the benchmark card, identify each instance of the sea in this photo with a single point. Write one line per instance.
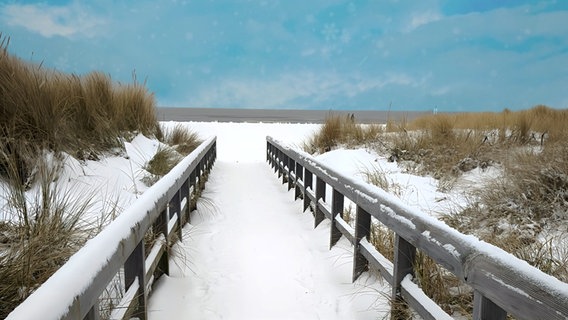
(281, 115)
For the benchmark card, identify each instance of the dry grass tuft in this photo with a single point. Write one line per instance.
(163, 161)
(83, 116)
(340, 130)
(39, 237)
(182, 139)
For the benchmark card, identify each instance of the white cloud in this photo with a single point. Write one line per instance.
(65, 21)
(302, 89)
(420, 19)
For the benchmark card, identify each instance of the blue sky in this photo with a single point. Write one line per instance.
(456, 55)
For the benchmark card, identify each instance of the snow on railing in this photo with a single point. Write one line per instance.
(73, 291)
(502, 284)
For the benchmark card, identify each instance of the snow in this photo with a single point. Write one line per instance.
(51, 299)
(256, 256)
(249, 251)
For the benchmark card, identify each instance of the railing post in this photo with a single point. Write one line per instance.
(308, 183)
(174, 207)
(273, 158)
(362, 230)
(284, 165)
(320, 194)
(291, 169)
(93, 313)
(279, 163)
(337, 201)
(299, 176)
(161, 226)
(193, 190)
(184, 194)
(485, 309)
(134, 270)
(403, 264)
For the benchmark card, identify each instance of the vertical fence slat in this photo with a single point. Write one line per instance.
(161, 226)
(362, 230)
(299, 176)
(285, 174)
(291, 169)
(93, 313)
(403, 265)
(279, 163)
(193, 190)
(273, 159)
(320, 194)
(308, 183)
(485, 309)
(174, 207)
(337, 202)
(134, 271)
(184, 194)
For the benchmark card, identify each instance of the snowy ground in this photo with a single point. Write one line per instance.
(254, 254)
(251, 254)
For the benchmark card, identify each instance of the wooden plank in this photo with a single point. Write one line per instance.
(320, 194)
(362, 230)
(337, 203)
(172, 225)
(324, 208)
(298, 181)
(154, 257)
(94, 313)
(175, 209)
(127, 304)
(291, 173)
(403, 265)
(345, 229)
(161, 226)
(426, 308)
(485, 309)
(377, 261)
(184, 196)
(525, 298)
(134, 270)
(308, 185)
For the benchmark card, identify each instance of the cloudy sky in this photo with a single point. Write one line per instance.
(453, 55)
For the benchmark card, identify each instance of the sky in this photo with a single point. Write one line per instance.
(449, 55)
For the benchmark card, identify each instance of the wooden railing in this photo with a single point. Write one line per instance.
(73, 291)
(502, 284)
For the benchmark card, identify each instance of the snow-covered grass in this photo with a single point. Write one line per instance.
(498, 176)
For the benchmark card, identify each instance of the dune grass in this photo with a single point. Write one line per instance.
(178, 142)
(84, 116)
(43, 114)
(523, 211)
(340, 130)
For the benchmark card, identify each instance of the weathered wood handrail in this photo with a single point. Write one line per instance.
(73, 291)
(502, 283)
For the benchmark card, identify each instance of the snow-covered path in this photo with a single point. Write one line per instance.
(254, 255)
(250, 252)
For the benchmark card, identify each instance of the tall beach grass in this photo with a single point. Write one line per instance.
(522, 211)
(43, 114)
